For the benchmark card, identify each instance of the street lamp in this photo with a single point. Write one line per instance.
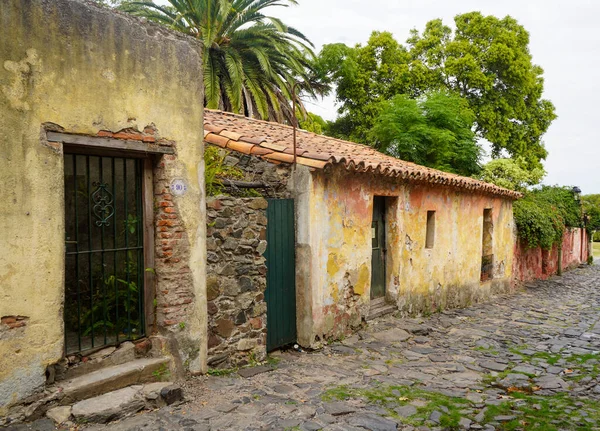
(576, 193)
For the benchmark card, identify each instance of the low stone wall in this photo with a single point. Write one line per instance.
(537, 264)
(236, 280)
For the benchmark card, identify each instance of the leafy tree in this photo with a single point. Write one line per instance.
(365, 76)
(486, 60)
(511, 174)
(251, 60)
(311, 122)
(435, 131)
(591, 207)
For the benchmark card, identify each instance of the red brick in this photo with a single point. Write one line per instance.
(136, 136)
(149, 139)
(7, 320)
(170, 210)
(105, 133)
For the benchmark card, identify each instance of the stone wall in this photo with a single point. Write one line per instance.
(236, 280)
(254, 169)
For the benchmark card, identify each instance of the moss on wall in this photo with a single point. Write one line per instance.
(85, 69)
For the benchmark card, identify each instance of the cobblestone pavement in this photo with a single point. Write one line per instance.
(528, 361)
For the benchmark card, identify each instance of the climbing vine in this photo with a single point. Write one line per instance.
(542, 215)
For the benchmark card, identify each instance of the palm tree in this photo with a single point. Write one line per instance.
(251, 60)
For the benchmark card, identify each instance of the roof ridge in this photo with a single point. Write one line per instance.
(238, 136)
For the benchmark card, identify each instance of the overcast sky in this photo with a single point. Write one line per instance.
(565, 41)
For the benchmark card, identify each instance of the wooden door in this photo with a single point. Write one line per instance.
(379, 248)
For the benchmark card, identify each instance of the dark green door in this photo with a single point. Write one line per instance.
(281, 273)
(378, 244)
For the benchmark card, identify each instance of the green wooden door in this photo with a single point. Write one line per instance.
(280, 255)
(378, 244)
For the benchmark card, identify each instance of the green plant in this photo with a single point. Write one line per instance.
(222, 371)
(542, 215)
(215, 170)
(182, 325)
(162, 372)
(251, 60)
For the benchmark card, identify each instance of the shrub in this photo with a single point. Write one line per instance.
(542, 215)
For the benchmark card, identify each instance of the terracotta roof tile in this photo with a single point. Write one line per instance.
(242, 147)
(281, 157)
(219, 140)
(276, 147)
(245, 134)
(231, 135)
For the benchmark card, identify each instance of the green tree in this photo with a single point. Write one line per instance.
(311, 122)
(486, 60)
(251, 60)
(435, 130)
(591, 207)
(364, 76)
(511, 174)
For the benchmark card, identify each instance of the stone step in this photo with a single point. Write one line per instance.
(103, 358)
(113, 378)
(379, 308)
(117, 404)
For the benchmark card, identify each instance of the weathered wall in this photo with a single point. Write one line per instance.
(236, 280)
(85, 69)
(537, 264)
(334, 211)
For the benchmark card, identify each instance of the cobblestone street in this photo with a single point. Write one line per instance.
(527, 361)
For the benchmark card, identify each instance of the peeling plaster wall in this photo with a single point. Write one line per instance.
(86, 69)
(537, 264)
(448, 275)
(334, 245)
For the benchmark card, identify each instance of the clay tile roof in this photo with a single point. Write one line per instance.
(273, 142)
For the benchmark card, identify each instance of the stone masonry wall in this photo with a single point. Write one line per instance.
(236, 280)
(276, 177)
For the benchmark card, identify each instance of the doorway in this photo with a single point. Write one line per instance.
(104, 246)
(378, 243)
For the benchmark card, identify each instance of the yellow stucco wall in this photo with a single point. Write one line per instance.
(335, 228)
(86, 69)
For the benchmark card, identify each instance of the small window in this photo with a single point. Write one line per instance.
(430, 236)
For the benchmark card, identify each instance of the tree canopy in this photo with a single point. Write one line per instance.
(511, 174)
(251, 60)
(485, 60)
(434, 130)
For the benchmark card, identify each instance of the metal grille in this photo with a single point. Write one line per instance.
(104, 251)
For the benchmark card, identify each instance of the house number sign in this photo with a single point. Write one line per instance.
(178, 187)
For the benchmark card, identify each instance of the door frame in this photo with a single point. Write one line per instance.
(98, 146)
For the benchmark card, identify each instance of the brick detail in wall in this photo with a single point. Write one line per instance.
(174, 278)
(236, 280)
